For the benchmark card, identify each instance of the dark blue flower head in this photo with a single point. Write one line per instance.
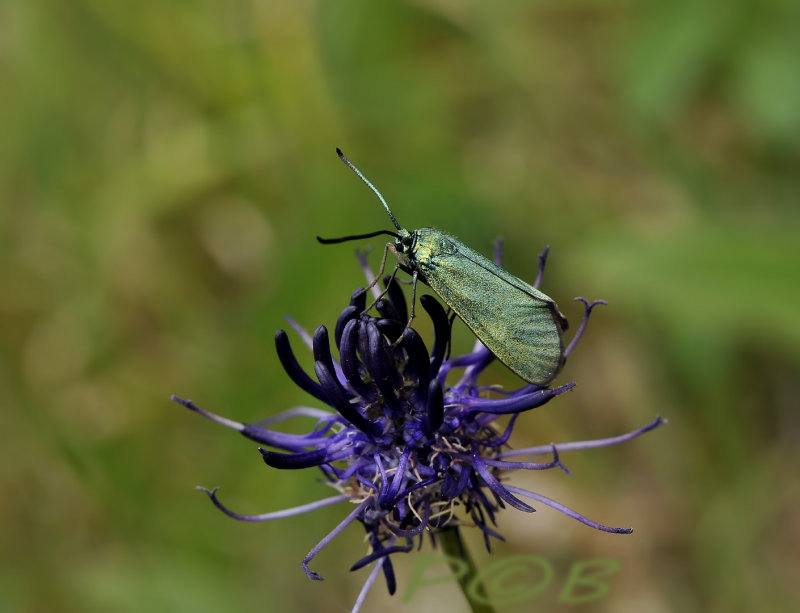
(412, 438)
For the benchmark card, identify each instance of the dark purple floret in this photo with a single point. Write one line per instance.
(416, 447)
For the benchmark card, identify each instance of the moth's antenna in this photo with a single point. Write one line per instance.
(370, 185)
(355, 237)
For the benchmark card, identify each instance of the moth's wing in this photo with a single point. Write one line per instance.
(518, 323)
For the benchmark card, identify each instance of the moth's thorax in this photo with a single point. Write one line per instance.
(422, 249)
(429, 243)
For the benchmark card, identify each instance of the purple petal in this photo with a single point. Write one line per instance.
(312, 506)
(567, 511)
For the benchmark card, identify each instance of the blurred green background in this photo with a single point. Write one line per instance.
(165, 167)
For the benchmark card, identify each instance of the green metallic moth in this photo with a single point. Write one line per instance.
(519, 324)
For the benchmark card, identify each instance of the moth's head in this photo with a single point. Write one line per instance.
(405, 240)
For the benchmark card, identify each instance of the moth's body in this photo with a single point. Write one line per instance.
(519, 324)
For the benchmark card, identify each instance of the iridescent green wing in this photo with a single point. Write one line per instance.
(518, 323)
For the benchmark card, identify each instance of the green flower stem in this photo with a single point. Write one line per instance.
(453, 547)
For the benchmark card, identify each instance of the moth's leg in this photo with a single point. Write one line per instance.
(409, 271)
(374, 282)
(383, 292)
(392, 278)
(414, 277)
(389, 247)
